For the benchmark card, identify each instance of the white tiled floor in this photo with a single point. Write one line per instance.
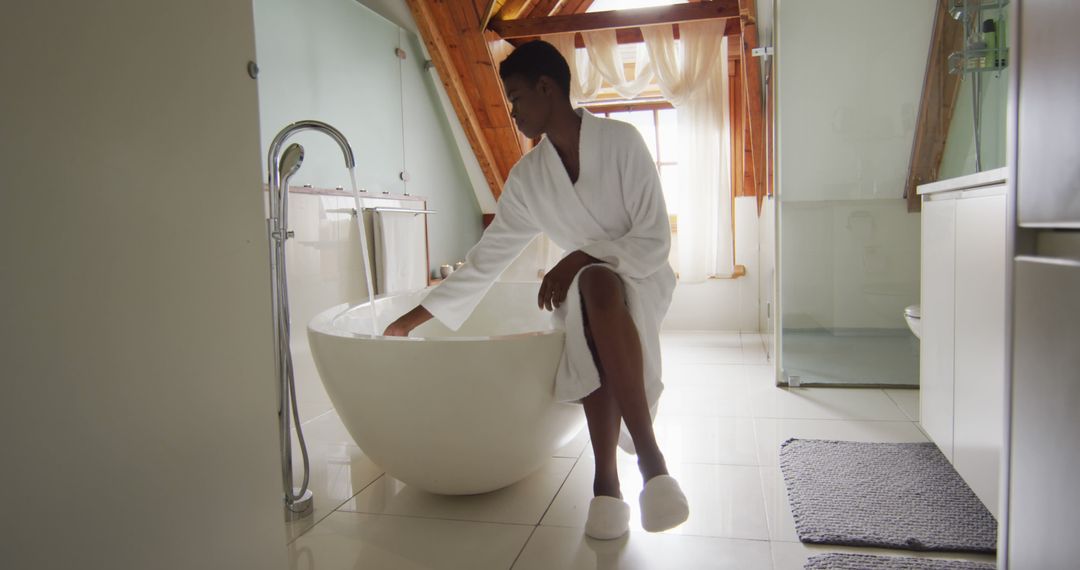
(720, 424)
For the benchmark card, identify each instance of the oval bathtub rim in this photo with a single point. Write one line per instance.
(322, 324)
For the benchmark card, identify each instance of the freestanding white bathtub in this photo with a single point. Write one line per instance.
(455, 413)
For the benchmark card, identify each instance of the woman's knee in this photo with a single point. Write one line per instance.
(601, 289)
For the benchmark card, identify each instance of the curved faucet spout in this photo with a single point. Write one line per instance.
(275, 151)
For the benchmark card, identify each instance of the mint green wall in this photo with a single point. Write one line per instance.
(333, 60)
(959, 156)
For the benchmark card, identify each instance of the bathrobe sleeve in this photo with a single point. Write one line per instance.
(453, 300)
(644, 249)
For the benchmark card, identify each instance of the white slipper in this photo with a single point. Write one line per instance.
(608, 518)
(663, 504)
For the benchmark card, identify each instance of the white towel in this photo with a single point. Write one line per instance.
(400, 252)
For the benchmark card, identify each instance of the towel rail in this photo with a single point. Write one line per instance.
(352, 211)
(403, 210)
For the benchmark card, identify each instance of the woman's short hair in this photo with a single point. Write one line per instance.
(533, 59)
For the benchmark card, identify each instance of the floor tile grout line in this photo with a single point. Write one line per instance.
(431, 518)
(524, 545)
(309, 420)
(905, 420)
(675, 534)
(707, 464)
(561, 485)
(337, 508)
(414, 516)
(902, 410)
(771, 522)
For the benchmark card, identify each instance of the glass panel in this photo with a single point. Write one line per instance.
(984, 92)
(849, 250)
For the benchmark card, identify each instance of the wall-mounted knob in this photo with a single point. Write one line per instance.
(400, 53)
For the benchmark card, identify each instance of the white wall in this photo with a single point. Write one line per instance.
(139, 410)
(724, 304)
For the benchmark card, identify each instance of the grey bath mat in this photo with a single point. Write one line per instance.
(836, 561)
(892, 495)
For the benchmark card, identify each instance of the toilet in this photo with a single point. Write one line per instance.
(913, 316)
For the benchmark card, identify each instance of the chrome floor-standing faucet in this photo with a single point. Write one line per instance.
(281, 166)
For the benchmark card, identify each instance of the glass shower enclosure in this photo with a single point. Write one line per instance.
(849, 80)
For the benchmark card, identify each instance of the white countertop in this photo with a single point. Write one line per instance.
(979, 179)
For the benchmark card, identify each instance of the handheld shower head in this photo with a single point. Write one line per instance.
(290, 162)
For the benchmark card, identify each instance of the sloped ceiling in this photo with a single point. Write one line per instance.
(458, 35)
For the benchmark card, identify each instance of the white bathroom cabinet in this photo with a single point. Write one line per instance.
(962, 352)
(937, 298)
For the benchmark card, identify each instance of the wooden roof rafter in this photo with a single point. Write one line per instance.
(936, 106)
(752, 87)
(453, 33)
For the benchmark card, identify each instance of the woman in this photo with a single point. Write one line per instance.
(592, 187)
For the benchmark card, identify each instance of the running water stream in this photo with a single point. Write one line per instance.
(364, 250)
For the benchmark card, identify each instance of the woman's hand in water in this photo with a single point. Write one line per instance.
(557, 281)
(409, 321)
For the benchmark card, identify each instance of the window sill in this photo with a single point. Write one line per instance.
(740, 271)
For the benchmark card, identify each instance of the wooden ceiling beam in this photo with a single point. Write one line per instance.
(633, 36)
(615, 19)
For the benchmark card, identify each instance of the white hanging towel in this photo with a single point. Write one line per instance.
(400, 252)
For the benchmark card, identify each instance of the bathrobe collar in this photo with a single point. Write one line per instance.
(566, 192)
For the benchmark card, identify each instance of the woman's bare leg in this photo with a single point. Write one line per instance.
(602, 414)
(618, 348)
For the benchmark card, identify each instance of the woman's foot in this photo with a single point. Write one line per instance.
(663, 504)
(609, 518)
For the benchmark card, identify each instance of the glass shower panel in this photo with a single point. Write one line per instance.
(848, 97)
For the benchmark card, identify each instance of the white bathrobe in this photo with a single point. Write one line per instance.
(615, 212)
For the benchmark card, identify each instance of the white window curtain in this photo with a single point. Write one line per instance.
(693, 75)
(585, 79)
